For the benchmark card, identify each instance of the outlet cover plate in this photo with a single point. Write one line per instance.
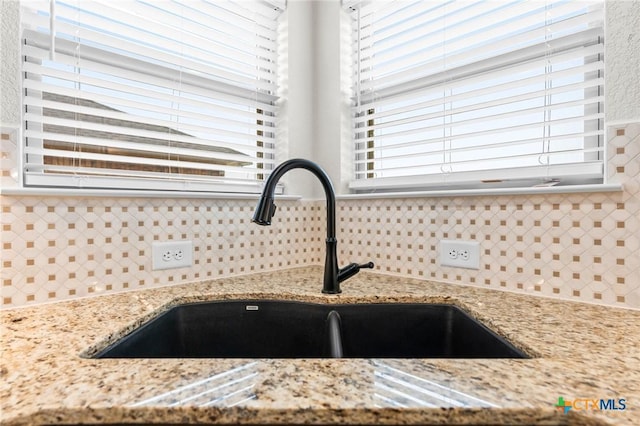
(460, 254)
(171, 254)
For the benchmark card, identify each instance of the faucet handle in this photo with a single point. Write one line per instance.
(352, 269)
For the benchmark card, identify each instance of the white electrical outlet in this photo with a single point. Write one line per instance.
(461, 254)
(171, 254)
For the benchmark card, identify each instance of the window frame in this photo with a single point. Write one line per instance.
(570, 174)
(264, 110)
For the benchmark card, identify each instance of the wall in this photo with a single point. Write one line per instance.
(315, 93)
(622, 63)
(57, 248)
(9, 65)
(582, 247)
(295, 125)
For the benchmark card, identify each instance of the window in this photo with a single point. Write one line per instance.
(469, 93)
(150, 95)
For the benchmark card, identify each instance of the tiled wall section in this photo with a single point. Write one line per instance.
(572, 246)
(62, 248)
(8, 156)
(583, 247)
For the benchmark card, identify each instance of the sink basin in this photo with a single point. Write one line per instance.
(285, 329)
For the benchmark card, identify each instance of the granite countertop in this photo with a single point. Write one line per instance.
(579, 351)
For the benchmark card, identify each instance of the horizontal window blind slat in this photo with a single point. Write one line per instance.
(390, 118)
(430, 58)
(147, 181)
(380, 8)
(476, 163)
(392, 153)
(90, 31)
(65, 98)
(408, 103)
(173, 164)
(457, 16)
(179, 120)
(91, 172)
(566, 172)
(93, 58)
(384, 108)
(163, 17)
(483, 113)
(40, 102)
(238, 60)
(85, 164)
(492, 132)
(249, 10)
(511, 65)
(437, 142)
(160, 142)
(571, 46)
(221, 24)
(513, 20)
(240, 14)
(434, 144)
(135, 18)
(142, 183)
(143, 94)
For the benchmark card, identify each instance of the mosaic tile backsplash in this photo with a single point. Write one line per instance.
(583, 247)
(62, 248)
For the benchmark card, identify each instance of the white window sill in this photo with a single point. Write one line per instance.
(62, 192)
(569, 189)
(106, 193)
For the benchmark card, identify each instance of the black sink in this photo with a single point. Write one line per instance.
(283, 329)
(229, 329)
(418, 331)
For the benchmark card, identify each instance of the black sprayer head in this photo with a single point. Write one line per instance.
(264, 211)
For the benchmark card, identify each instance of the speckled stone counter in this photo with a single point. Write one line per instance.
(578, 351)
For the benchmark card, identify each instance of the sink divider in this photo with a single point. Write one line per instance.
(334, 334)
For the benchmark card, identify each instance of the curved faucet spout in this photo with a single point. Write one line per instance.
(266, 209)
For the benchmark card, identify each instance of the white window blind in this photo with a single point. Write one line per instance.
(150, 95)
(457, 93)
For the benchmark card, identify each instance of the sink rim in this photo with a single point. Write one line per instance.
(114, 338)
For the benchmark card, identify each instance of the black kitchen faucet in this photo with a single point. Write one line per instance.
(265, 210)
